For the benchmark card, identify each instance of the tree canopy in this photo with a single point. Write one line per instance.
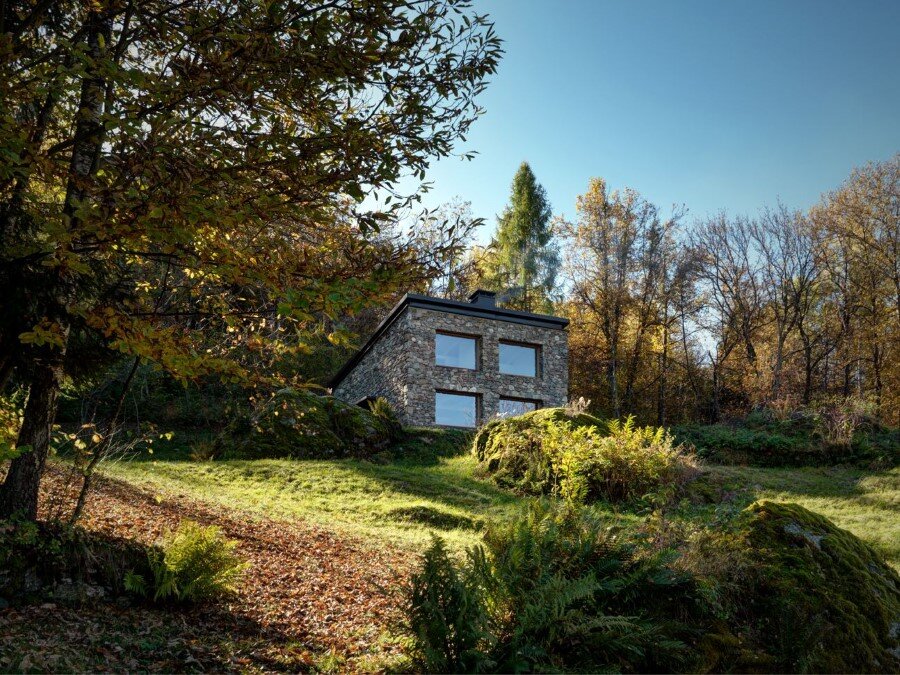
(174, 168)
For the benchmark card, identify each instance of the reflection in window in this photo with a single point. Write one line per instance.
(455, 410)
(455, 351)
(518, 359)
(510, 407)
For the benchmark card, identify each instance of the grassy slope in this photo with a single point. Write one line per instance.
(427, 487)
(430, 487)
(866, 503)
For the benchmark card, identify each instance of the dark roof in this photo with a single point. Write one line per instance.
(452, 307)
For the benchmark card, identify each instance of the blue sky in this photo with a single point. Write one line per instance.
(714, 105)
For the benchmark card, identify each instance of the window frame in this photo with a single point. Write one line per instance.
(538, 357)
(538, 403)
(456, 392)
(475, 338)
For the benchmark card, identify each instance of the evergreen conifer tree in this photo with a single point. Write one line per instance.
(524, 259)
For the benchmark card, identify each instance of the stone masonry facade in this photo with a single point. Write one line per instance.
(399, 363)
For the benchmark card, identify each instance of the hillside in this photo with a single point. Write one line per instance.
(331, 541)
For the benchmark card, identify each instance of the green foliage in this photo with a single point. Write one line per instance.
(298, 424)
(194, 564)
(825, 436)
(551, 590)
(489, 433)
(383, 411)
(10, 423)
(446, 615)
(523, 261)
(551, 453)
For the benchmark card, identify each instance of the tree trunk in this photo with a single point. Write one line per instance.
(612, 376)
(877, 358)
(714, 407)
(101, 451)
(663, 367)
(807, 373)
(19, 492)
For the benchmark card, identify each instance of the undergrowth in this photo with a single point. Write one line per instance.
(584, 460)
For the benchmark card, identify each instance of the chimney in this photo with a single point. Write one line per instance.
(482, 298)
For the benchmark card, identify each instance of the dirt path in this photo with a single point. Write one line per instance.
(309, 597)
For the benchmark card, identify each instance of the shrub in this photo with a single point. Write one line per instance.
(554, 453)
(489, 441)
(382, 410)
(302, 425)
(203, 451)
(551, 590)
(741, 445)
(194, 564)
(802, 440)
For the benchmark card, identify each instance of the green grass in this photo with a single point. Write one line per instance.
(867, 503)
(425, 486)
(429, 484)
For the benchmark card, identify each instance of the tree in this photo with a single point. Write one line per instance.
(619, 265)
(784, 246)
(523, 262)
(451, 267)
(729, 277)
(161, 159)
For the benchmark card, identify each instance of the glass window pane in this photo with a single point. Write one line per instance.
(518, 360)
(453, 350)
(455, 410)
(510, 407)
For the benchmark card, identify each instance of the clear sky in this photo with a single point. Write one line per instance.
(713, 105)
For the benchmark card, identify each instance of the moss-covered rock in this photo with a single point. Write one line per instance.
(302, 425)
(582, 458)
(824, 600)
(491, 440)
(511, 450)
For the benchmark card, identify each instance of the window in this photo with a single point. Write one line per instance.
(517, 359)
(455, 350)
(510, 407)
(455, 410)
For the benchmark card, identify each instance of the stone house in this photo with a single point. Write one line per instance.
(458, 364)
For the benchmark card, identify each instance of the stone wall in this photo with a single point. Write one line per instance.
(383, 370)
(400, 366)
(550, 387)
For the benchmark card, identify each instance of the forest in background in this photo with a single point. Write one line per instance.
(673, 321)
(677, 320)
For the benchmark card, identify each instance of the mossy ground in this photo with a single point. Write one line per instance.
(837, 602)
(301, 425)
(433, 469)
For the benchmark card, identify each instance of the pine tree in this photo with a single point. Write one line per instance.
(524, 259)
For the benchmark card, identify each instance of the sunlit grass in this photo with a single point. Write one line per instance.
(427, 489)
(402, 502)
(867, 503)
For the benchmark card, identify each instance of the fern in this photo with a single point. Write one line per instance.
(549, 590)
(135, 583)
(195, 563)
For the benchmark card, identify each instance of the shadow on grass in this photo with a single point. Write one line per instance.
(804, 482)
